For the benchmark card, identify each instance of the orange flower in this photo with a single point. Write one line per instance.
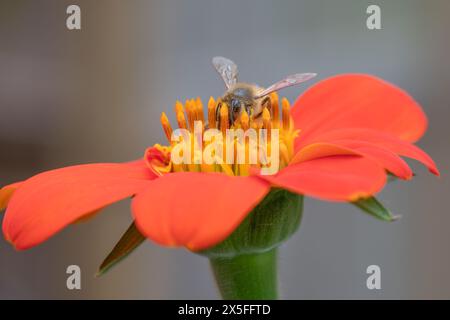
(336, 143)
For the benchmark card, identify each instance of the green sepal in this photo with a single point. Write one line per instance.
(268, 225)
(375, 208)
(129, 241)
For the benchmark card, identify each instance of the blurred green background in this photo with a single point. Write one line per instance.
(95, 95)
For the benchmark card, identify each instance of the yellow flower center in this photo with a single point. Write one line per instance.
(269, 130)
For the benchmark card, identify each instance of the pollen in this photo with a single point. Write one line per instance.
(179, 107)
(212, 113)
(166, 126)
(235, 155)
(191, 113)
(286, 107)
(181, 120)
(267, 124)
(244, 120)
(199, 110)
(275, 109)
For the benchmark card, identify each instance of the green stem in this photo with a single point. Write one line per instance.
(247, 276)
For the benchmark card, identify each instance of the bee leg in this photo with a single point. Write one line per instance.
(267, 103)
(219, 105)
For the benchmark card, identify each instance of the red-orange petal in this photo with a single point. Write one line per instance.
(195, 210)
(6, 193)
(47, 202)
(383, 140)
(384, 157)
(320, 150)
(334, 178)
(358, 101)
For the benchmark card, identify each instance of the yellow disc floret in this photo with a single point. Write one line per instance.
(216, 145)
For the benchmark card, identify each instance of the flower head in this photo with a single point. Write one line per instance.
(337, 143)
(235, 149)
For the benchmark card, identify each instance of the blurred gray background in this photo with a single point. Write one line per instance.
(95, 95)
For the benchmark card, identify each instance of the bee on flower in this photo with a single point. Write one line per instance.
(237, 197)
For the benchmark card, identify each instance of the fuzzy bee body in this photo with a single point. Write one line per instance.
(241, 97)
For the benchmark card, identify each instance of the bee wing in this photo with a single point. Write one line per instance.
(227, 69)
(286, 82)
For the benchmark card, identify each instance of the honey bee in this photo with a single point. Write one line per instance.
(249, 97)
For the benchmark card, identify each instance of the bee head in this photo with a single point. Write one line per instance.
(238, 99)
